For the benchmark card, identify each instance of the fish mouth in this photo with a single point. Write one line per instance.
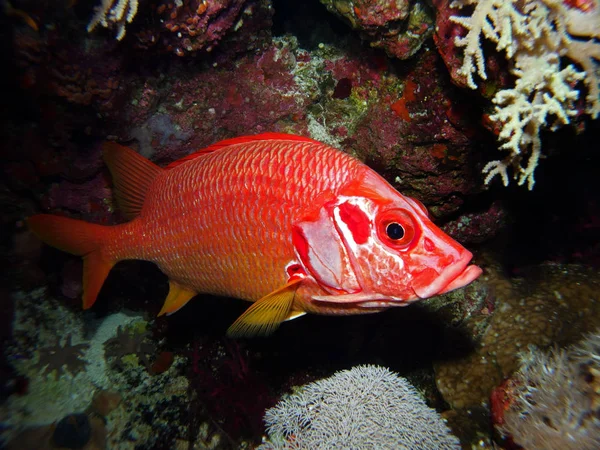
(471, 273)
(431, 282)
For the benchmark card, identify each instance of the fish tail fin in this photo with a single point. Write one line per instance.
(78, 238)
(132, 176)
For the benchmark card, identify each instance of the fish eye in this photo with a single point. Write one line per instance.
(394, 231)
(398, 228)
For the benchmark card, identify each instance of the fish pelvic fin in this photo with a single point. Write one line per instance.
(177, 298)
(78, 238)
(266, 314)
(132, 176)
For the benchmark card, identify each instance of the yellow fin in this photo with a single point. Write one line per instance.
(177, 298)
(294, 315)
(265, 315)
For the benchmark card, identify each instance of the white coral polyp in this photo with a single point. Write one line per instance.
(114, 13)
(554, 403)
(367, 407)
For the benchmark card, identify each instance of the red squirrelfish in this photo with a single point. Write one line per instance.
(283, 221)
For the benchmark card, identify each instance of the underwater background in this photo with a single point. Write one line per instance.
(510, 361)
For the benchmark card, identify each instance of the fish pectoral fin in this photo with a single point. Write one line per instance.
(359, 297)
(177, 298)
(265, 315)
(294, 315)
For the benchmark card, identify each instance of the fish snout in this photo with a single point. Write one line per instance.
(431, 282)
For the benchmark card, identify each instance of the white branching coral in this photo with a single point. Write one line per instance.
(539, 38)
(114, 13)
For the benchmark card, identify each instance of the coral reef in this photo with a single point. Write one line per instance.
(188, 26)
(188, 73)
(398, 27)
(422, 140)
(537, 36)
(129, 342)
(545, 305)
(72, 431)
(60, 358)
(475, 228)
(191, 26)
(225, 383)
(143, 410)
(53, 65)
(40, 322)
(83, 431)
(104, 402)
(113, 13)
(364, 407)
(554, 398)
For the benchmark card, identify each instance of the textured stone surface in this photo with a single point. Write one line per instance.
(400, 27)
(544, 305)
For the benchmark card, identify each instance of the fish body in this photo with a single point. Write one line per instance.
(286, 222)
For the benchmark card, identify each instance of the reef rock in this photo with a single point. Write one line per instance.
(398, 26)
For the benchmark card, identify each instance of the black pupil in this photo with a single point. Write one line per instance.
(395, 231)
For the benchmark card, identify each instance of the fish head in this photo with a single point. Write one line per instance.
(375, 248)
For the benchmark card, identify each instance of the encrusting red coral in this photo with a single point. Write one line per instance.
(190, 26)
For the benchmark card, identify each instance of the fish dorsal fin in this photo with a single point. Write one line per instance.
(132, 176)
(242, 140)
(177, 298)
(265, 315)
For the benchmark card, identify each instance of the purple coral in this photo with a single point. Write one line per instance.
(63, 358)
